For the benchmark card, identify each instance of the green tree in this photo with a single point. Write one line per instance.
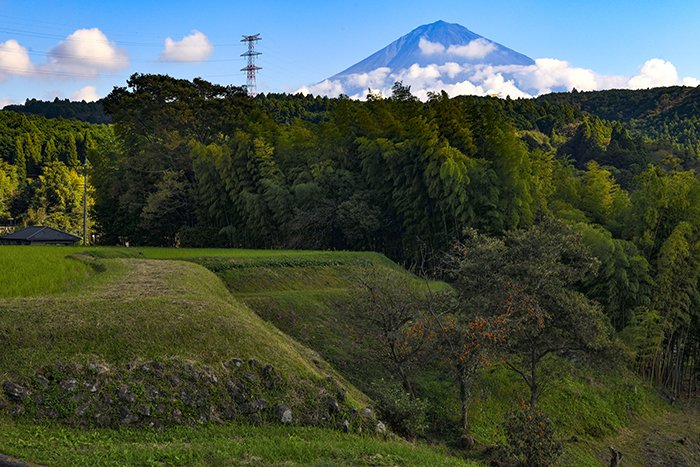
(58, 199)
(162, 216)
(9, 185)
(537, 270)
(392, 308)
(623, 285)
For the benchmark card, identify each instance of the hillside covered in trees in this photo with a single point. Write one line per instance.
(190, 163)
(91, 112)
(41, 170)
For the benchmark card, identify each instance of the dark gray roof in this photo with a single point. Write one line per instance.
(41, 234)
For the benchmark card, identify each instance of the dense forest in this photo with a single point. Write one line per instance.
(41, 169)
(190, 163)
(91, 112)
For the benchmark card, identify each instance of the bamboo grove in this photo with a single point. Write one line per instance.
(191, 163)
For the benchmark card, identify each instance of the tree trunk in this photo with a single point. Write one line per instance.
(464, 395)
(399, 368)
(407, 386)
(534, 390)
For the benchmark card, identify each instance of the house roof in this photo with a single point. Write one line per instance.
(41, 234)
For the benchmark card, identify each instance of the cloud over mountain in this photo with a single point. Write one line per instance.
(86, 93)
(443, 56)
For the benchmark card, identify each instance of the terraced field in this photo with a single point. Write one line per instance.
(124, 311)
(228, 315)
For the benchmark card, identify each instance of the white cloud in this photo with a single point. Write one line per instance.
(516, 81)
(451, 69)
(430, 48)
(418, 75)
(374, 78)
(5, 101)
(478, 48)
(86, 93)
(655, 72)
(85, 52)
(497, 85)
(14, 59)
(194, 47)
(464, 88)
(326, 88)
(549, 73)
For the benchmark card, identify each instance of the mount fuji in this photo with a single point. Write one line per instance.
(448, 57)
(438, 43)
(433, 57)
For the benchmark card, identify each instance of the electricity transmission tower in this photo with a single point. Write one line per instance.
(251, 68)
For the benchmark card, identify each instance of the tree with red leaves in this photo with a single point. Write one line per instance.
(528, 278)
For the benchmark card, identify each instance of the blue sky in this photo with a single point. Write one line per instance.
(307, 41)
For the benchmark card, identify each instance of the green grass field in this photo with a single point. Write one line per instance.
(212, 445)
(208, 305)
(310, 302)
(35, 271)
(117, 306)
(146, 310)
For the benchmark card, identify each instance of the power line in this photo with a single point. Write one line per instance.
(44, 35)
(88, 57)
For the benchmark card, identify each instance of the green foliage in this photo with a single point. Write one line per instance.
(191, 163)
(662, 201)
(9, 185)
(531, 438)
(623, 282)
(58, 199)
(92, 112)
(306, 295)
(530, 276)
(360, 178)
(40, 162)
(406, 415)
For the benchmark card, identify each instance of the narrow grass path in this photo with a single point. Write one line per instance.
(671, 439)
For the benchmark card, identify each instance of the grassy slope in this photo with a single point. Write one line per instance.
(146, 310)
(210, 445)
(125, 307)
(308, 300)
(305, 293)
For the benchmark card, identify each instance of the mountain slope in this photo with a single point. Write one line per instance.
(433, 57)
(438, 43)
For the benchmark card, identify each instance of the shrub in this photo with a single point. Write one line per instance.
(530, 435)
(405, 414)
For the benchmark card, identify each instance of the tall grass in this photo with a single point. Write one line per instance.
(32, 271)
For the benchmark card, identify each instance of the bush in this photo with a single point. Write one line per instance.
(530, 435)
(405, 414)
